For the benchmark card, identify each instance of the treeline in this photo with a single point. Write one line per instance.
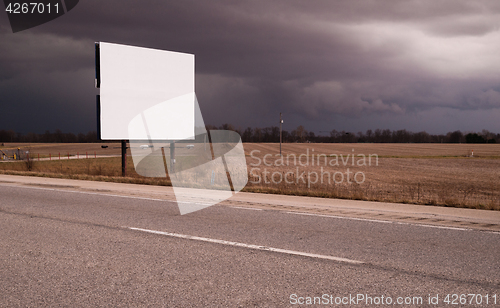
(272, 134)
(300, 134)
(56, 137)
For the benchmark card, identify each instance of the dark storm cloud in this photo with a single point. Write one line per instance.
(313, 60)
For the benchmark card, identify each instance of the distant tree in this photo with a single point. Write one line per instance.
(267, 134)
(275, 134)
(369, 136)
(361, 137)
(47, 137)
(421, 137)
(81, 138)
(227, 127)
(91, 136)
(271, 134)
(11, 136)
(247, 135)
(334, 135)
(258, 135)
(386, 136)
(378, 135)
(311, 137)
(32, 137)
(438, 138)
(300, 133)
(209, 127)
(474, 138)
(401, 136)
(455, 137)
(58, 136)
(286, 136)
(487, 134)
(69, 138)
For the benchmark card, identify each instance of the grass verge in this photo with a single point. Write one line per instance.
(438, 192)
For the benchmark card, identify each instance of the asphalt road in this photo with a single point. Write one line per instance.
(68, 248)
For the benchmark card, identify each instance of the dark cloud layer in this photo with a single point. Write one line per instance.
(354, 65)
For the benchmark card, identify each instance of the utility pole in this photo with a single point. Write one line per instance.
(281, 133)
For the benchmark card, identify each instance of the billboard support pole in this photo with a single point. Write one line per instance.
(124, 158)
(172, 156)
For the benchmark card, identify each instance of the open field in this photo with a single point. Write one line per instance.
(437, 174)
(398, 150)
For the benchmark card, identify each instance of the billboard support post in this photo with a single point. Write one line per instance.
(124, 158)
(172, 156)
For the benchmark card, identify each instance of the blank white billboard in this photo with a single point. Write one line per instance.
(146, 94)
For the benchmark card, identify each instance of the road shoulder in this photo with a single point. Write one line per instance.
(365, 210)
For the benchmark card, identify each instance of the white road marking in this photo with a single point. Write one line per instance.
(341, 217)
(245, 208)
(249, 246)
(111, 195)
(188, 202)
(438, 227)
(388, 222)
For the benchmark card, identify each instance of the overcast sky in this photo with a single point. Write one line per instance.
(344, 65)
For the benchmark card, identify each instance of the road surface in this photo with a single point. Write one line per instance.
(76, 243)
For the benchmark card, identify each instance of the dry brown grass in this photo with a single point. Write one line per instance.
(100, 169)
(434, 174)
(44, 149)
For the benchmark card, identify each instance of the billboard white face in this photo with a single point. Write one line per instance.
(146, 94)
